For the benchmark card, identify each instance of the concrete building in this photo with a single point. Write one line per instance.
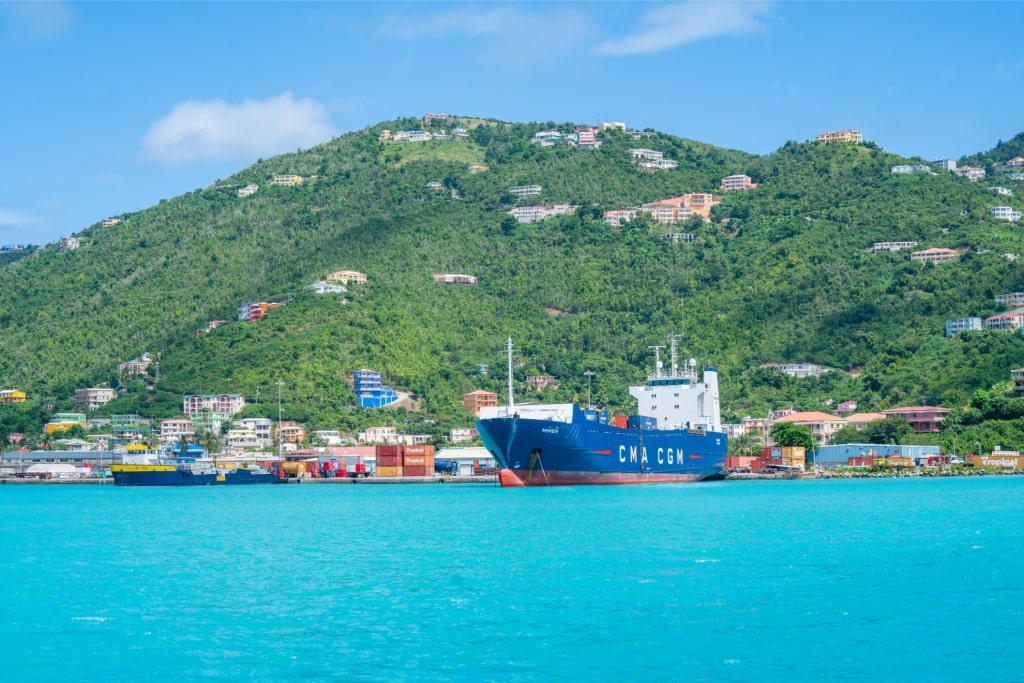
(454, 279)
(1005, 322)
(935, 255)
(738, 182)
(822, 425)
(322, 287)
(93, 398)
(475, 400)
(892, 246)
(286, 180)
(542, 382)
(1006, 213)
(227, 404)
(972, 173)
(69, 243)
(798, 370)
(345, 277)
(922, 419)
(248, 190)
(1014, 299)
(840, 136)
(173, 430)
(955, 326)
(525, 190)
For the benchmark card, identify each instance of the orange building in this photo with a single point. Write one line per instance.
(475, 400)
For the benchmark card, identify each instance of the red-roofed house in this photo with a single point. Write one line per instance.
(822, 425)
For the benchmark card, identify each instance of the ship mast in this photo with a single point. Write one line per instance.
(510, 401)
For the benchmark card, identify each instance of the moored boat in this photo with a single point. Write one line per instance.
(156, 471)
(676, 435)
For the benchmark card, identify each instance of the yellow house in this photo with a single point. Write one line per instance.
(12, 396)
(61, 422)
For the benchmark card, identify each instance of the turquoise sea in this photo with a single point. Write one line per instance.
(864, 580)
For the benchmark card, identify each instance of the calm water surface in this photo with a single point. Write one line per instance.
(871, 580)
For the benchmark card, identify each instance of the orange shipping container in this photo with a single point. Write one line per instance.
(389, 471)
(621, 421)
(389, 461)
(1007, 461)
(421, 449)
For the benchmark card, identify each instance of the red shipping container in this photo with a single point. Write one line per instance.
(621, 421)
(389, 460)
(389, 450)
(415, 471)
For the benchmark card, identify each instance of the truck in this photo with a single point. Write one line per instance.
(446, 466)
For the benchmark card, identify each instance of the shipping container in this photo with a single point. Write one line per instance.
(621, 421)
(894, 461)
(389, 461)
(642, 422)
(421, 449)
(861, 461)
(794, 453)
(839, 454)
(389, 450)
(1006, 461)
(419, 461)
(389, 471)
(416, 471)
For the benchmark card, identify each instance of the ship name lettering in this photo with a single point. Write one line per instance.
(622, 454)
(550, 430)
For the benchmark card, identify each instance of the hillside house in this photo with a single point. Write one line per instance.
(384, 135)
(69, 243)
(972, 173)
(585, 139)
(822, 425)
(892, 246)
(1016, 162)
(345, 277)
(224, 404)
(955, 326)
(738, 182)
(477, 168)
(385, 435)
(435, 186)
(922, 419)
(846, 408)
(935, 255)
(1006, 213)
(322, 287)
(262, 427)
(612, 125)
(946, 164)
(861, 420)
(911, 169)
(525, 191)
(290, 432)
(12, 396)
(61, 422)
(798, 370)
(248, 190)
(174, 430)
(370, 391)
(108, 222)
(1005, 322)
(619, 216)
(254, 311)
(462, 434)
(93, 398)
(684, 237)
(648, 154)
(660, 164)
(1015, 299)
(135, 368)
(475, 400)
(1004, 191)
(454, 279)
(286, 180)
(854, 136)
(669, 214)
(542, 382)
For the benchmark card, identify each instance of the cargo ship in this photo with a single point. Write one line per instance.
(675, 436)
(148, 469)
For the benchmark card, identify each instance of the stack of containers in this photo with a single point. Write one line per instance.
(794, 456)
(418, 461)
(389, 461)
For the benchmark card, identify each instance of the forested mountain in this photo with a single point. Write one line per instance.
(781, 273)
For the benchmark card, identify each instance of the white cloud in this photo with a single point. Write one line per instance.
(669, 26)
(509, 33)
(216, 130)
(38, 20)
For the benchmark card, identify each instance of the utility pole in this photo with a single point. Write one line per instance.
(280, 448)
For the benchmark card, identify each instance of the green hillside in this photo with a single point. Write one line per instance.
(782, 273)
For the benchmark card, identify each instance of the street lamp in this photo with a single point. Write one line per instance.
(588, 374)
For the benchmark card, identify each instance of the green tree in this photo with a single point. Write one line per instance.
(891, 430)
(789, 434)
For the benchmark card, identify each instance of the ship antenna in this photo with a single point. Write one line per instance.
(510, 401)
(657, 359)
(674, 341)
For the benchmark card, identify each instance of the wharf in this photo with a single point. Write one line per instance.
(471, 479)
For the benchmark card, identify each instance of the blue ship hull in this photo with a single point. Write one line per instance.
(533, 452)
(170, 475)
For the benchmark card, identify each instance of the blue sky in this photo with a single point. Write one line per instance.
(111, 107)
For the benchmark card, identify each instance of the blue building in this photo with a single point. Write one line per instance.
(957, 325)
(837, 455)
(370, 392)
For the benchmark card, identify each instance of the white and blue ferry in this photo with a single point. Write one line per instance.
(676, 435)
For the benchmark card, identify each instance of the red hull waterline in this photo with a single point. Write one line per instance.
(520, 478)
